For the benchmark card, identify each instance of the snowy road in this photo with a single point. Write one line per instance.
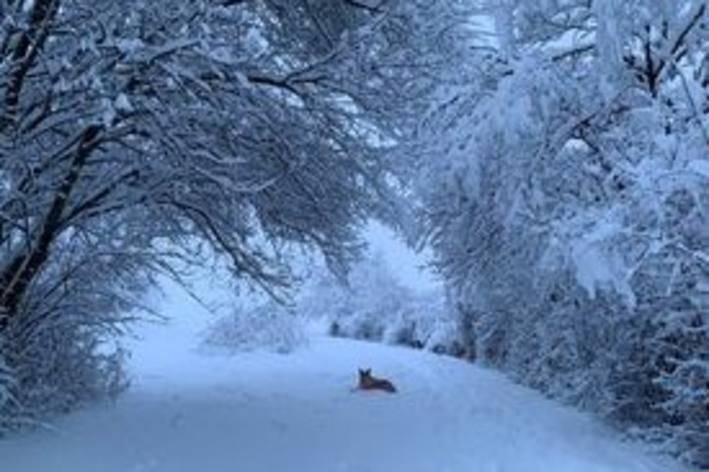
(268, 412)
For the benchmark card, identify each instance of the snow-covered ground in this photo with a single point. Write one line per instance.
(193, 412)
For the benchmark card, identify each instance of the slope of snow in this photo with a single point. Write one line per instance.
(190, 412)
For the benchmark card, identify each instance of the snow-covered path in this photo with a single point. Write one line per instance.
(269, 412)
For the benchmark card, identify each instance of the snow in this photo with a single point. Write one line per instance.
(701, 167)
(262, 411)
(27, 6)
(596, 263)
(123, 104)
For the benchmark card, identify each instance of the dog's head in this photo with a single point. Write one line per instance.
(365, 374)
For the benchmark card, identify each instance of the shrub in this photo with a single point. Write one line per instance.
(269, 326)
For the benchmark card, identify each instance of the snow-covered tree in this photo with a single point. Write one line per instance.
(564, 192)
(139, 136)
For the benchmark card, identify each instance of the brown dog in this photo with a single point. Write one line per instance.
(368, 382)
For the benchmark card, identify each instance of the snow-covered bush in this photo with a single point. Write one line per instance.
(60, 348)
(69, 367)
(445, 338)
(268, 327)
(57, 370)
(66, 366)
(375, 306)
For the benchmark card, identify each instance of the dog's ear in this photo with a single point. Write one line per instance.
(368, 372)
(361, 372)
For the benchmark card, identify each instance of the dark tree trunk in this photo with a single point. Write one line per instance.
(18, 275)
(24, 54)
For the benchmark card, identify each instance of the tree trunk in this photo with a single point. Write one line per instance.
(23, 55)
(18, 275)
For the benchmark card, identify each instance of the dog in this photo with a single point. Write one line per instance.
(368, 382)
